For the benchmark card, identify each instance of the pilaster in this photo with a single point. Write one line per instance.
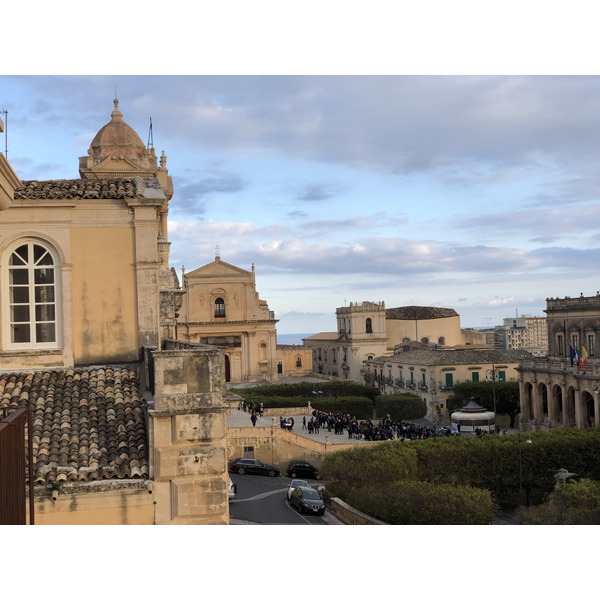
(188, 437)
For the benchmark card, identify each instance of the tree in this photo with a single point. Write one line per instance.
(506, 392)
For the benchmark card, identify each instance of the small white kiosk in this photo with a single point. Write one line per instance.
(472, 417)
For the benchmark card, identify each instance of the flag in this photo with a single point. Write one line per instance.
(578, 355)
(572, 354)
(584, 355)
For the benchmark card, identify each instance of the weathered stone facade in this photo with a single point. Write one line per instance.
(556, 391)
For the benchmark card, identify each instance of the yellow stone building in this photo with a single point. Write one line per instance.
(88, 309)
(369, 329)
(221, 307)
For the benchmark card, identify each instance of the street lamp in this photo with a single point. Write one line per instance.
(528, 441)
(493, 372)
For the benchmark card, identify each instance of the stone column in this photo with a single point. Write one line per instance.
(579, 414)
(187, 432)
(524, 400)
(551, 404)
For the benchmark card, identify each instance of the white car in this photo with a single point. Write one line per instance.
(232, 489)
(294, 484)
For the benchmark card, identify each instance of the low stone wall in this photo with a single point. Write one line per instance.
(288, 412)
(277, 446)
(349, 515)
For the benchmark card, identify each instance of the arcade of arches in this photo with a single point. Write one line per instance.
(560, 401)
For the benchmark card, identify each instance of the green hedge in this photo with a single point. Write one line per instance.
(494, 462)
(423, 503)
(400, 407)
(359, 407)
(280, 402)
(488, 462)
(380, 465)
(329, 389)
(572, 503)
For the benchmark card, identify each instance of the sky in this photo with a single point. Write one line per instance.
(478, 193)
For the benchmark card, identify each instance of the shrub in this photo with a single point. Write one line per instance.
(572, 503)
(400, 407)
(380, 465)
(424, 503)
(328, 389)
(357, 406)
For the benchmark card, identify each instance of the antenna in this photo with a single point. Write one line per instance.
(5, 113)
(150, 136)
(489, 321)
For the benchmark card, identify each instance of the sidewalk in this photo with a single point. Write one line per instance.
(239, 418)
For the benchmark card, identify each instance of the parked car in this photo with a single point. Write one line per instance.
(294, 484)
(300, 468)
(232, 489)
(449, 430)
(252, 466)
(308, 500)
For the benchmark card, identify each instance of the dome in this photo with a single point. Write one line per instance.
(117, 136)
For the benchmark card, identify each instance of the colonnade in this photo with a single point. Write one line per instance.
(559, 402)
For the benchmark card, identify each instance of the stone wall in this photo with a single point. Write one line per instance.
(277, 446)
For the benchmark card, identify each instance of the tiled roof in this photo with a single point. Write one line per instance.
(438, 357)
(325, 336)
(77, 188)
(88, 424)
(419, 312)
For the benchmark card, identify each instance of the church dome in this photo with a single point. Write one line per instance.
(117, 136)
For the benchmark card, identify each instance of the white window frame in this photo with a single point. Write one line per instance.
(32, 344)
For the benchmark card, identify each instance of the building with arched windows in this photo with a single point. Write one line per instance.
(369, 329)
(126, 427)
(562, 389)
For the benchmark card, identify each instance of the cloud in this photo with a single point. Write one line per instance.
(191, 195)
(318, 192)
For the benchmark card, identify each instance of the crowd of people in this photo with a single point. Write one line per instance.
(366, 429)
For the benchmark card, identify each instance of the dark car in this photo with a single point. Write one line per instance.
(253, 466)
(308, 500)
(300, 468)
(449, 430)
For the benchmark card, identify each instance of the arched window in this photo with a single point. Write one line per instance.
(299, 362)
(32, 295)
(369, 326)
(442, 341)
(219, 307)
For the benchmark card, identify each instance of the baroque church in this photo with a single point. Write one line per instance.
(127, 426)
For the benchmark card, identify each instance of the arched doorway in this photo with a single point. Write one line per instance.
(569, 408)
(589, 411)
(543, 393)
(528, 390)
(227, 369)
(557, 405)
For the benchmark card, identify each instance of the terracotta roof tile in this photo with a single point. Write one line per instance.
(77, 188)
(81, 432)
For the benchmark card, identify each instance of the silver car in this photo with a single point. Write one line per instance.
(294, 484)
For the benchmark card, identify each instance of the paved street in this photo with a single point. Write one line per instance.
(262, 501)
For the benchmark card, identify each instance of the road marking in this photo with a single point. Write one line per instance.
(261, 496)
